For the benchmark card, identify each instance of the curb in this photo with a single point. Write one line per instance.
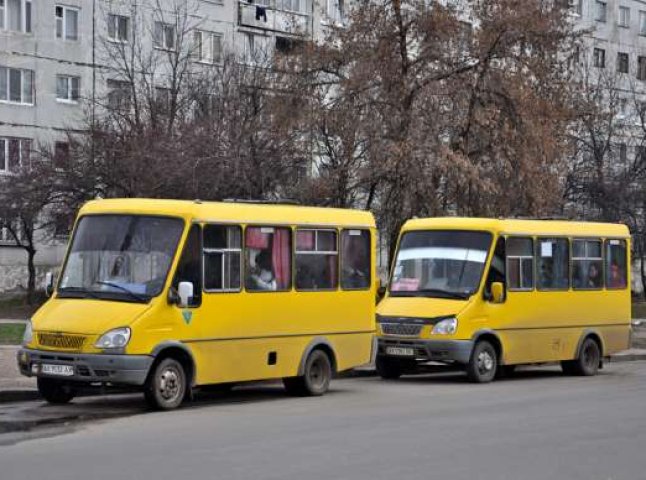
(10, 396)
(628, 357)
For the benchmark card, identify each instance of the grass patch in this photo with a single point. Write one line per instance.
(11, 333)
(639, 310)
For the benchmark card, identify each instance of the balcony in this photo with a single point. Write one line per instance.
(275, 20)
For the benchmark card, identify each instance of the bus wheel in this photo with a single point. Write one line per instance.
(388, 369)
(316, 377)
(166, 385)
(483, 363)
(55, 391)
(587, 363)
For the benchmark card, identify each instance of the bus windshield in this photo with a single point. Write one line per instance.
(120, 257)
(443, 264)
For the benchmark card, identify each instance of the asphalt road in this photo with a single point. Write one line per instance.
(538, 425)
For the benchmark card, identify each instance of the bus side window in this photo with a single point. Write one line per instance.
(520, 263)
(587, 265)
(355, 259)
(189, 268)
(268, 254)
(553, 263)
(316, 259)
(497, 267)
(616, 270)
(222, 258)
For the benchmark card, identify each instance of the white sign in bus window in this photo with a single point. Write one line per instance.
(546, 249)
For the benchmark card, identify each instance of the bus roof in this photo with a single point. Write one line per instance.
(247, 213)
(520, 227)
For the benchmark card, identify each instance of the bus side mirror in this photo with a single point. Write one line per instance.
(185, 293)
(49, 284)
(497, 292)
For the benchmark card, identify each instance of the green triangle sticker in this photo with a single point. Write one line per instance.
(188, 315)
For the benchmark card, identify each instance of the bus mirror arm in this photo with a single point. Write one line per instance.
(173, 296)
(49, 284)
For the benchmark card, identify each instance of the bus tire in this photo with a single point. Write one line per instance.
(483, 364)
(588, 361)
(55, 391)
(316, 377)
(387, 368)
(165, 388)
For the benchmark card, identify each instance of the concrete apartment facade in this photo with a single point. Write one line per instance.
(53, 61)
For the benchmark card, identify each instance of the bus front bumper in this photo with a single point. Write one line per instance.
(447, 351)
(86, 368)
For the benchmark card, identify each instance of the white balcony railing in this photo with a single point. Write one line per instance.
(269, 18)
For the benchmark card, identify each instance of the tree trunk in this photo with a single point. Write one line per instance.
(31, 282)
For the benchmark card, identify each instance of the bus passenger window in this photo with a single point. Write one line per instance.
(222, 250)
(587, 265)
(616, 270)
(189, 268)
(268, 253)
(520, 263)
(316, 259)
(355, 259)
(553, 264)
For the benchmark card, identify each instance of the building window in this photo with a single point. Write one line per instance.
(14, 152)
(601, 11)
(61, 154)
(641, 68)
(118, 94)
(208, 47)
(575, 6)
(642, 23)
(15, 15)
(16, 85)
(335, 10)
(164, 36)
(623, 62)
(67, 88)
(256, 48)
(599, 58)
(290, 5)
(624, 17)
(118, 28)
(67, 22)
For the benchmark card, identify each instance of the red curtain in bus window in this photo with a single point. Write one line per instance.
(254, 238)
(281, 258)
(305, 240)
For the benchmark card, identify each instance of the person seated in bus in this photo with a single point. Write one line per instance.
(120, 272)
(617, 278)
(262, 276)
(594, 275)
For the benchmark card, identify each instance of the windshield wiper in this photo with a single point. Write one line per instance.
(79, 290)
(134, 295)
(432, 292)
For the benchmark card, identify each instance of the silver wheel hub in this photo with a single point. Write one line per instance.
(169, 384)
(485, 362)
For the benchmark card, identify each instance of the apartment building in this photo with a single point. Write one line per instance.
(53, 62)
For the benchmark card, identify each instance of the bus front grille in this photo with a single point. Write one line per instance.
(401, 329)
(61, 340)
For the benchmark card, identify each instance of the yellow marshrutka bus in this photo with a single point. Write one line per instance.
(489, 294)
(168, 295)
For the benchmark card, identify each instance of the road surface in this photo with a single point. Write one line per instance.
(537, 425)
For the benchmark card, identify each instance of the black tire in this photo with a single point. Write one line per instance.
(588, 361)
(316, 377)
(166, 385)
(55, 391)
(388, 368)
(483, 364)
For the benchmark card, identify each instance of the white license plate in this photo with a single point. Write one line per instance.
(400, 351)
(62, 370)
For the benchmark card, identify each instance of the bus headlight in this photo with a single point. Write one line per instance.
(28, 336)
(446, 327)
(117, 338)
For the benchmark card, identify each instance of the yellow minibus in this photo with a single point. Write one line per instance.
(169, 295)
(489, 294)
